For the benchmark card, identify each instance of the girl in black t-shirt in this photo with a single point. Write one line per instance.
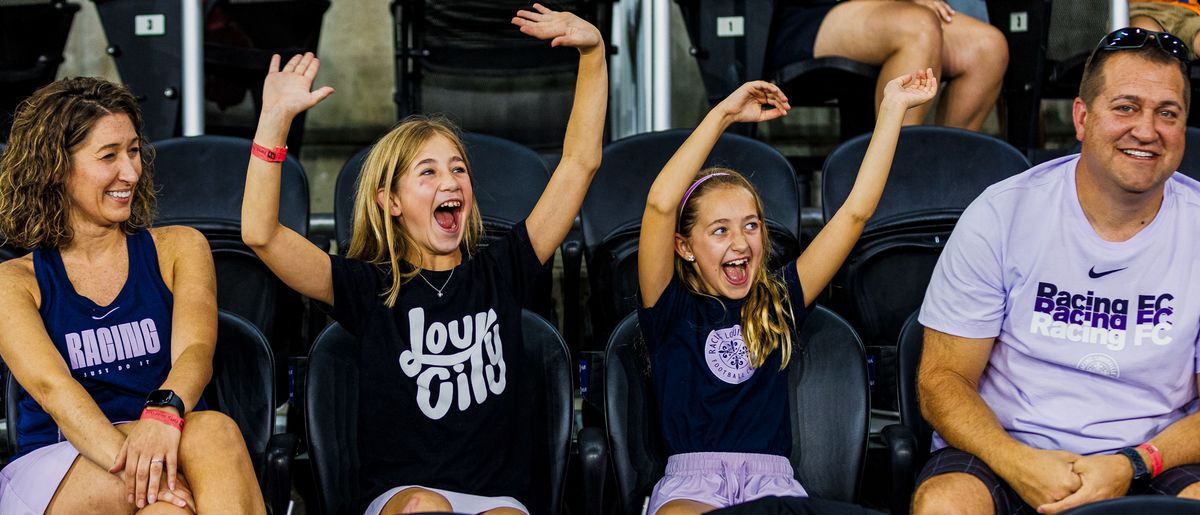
(718, 327)
(439, 324)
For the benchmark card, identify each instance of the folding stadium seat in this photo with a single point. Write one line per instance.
(508, 180)
(33, 34)
(828, 403)
(333, 405)
(612, 211)
(240, 36)
(936, 173)
(200, 181)
(728, 62)
(241, 387)
(1191, 154)
(465, 59)
(908, 442)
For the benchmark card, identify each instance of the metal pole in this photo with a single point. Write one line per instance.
(1120, 14)
(661, 80)
(193, 67)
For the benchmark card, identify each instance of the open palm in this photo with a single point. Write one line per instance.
(561, 28)
(756, 101)
(911, 89)
(288, 90)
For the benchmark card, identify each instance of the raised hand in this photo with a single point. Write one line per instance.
(1042, 477)
(1103, 476)
(561, 28)
(756, 101)
(288, 91)
(911, 90)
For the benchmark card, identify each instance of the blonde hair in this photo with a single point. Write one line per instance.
(380, 238)
(34, 205)
(767, 312)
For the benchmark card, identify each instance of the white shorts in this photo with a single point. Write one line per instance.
(460, 503)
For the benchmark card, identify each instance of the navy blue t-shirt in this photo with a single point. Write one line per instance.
(119, 353)
(710, 398)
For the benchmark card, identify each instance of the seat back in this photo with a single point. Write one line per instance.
(507, 178)
(243, 383)
(828, 402)
(332, 410)
(1157, 504)
(936, 173)
(33, 35)
(612, 210)
(1190, 166)
(910, 346)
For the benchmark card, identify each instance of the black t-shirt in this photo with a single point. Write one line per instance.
(710, 398)
(440, 404)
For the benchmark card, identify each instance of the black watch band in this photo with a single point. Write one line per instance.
(1141, 474)
(164, 398)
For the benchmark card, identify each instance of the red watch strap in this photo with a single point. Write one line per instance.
(1155, 459)
(167, 418)
(270, 155)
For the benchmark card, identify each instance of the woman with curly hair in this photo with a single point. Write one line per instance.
(111, 324)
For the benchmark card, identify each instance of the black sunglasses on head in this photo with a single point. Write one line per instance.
(1130, 38)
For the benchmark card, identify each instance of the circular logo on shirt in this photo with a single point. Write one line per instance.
(1100, 364)
(727, 356)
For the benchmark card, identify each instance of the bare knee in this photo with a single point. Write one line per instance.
(683, 507)
(1145, 22)
(416, 500)
(916, 28)
(952, 494)
(163, 508)
(1191, 492)
(211, 432)
(985, 50)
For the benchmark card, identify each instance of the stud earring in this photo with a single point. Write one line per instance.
(691, 258)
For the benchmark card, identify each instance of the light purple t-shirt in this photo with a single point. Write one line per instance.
(1096, 342)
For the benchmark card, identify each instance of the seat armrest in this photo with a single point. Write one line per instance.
(281, 449)
(902, 446)
(593, 455)
(572, 256)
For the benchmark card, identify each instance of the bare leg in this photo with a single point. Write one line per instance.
(1191, 492)
(1145, 22)
(213, 456)
(684, 507)
(956, 492)
(897, 36)
(503, 511)
(415, 500)
(89, 488)
(974, 57)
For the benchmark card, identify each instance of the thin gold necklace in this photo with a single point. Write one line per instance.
(435, 288)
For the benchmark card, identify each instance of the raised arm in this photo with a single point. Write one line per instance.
(37, 365)
(753, 102)
(298, 262)
(555, 211)
(948, 388)
(825, 255)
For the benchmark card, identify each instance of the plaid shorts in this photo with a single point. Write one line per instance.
(948, 460)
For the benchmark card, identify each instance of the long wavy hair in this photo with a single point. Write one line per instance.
(767, 313)
(47, 127)
(380, 238)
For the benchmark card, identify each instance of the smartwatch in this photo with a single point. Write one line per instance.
(164, 398)
(1141, 474)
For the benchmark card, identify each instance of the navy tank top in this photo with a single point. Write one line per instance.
(119, 353)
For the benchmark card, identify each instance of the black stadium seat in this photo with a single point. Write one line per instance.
(508, 179)
(909, 440)
(612, 211)
(332, 410)
(201, 180)
(936, 173)
(828, 402)
(33, 35)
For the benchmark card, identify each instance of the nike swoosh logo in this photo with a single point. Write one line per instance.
(101, 317)
(1096, 275)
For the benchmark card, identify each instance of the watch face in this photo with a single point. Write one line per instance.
(160, 397)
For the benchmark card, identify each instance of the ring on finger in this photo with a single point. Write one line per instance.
(160, 460)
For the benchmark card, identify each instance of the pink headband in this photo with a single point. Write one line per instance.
(696, 185)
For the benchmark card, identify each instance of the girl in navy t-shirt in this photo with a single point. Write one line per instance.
(443, 423)
(719, 328)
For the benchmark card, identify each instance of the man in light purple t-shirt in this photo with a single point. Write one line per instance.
(1061, 346)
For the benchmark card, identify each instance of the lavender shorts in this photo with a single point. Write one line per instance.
(721, 479)
(28, 484)
(460, 503)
